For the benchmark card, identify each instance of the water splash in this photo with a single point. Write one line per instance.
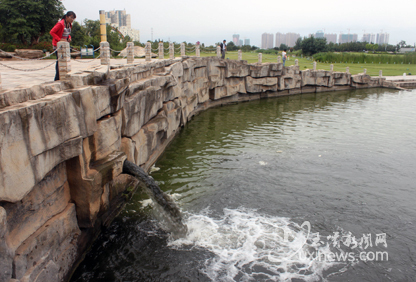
(249, 246)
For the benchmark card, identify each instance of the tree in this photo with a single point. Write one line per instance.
(27, 20)
(78, 35)
(283, 47)
(92, 30)
(231, 46)
(298, 44)
(313, 45)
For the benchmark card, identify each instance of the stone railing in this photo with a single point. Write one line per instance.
(62, 145)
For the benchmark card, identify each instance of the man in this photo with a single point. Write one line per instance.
(223, 49)
(284, 57)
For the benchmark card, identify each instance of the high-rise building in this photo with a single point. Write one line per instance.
(368, 37)
(280, 39)
(236, 38)
(382, 38)
(331, 37)
(122, 21)
(118, 18)
(246, 41)
(289, 39)
(319, 34)
(345, 38)
(240, 42)
(267, 41)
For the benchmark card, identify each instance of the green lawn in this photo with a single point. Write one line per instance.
(372, 69)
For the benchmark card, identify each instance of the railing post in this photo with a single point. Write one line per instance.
(365, 71)
(347, 70)
(105, 53)
(161, 53)
(64, 59)
(148, 52)
(260, 58)
(130, 52)
(171, 51)
(380, 73)
(219, 51)
(297, 62)
(331, 67)
(103, 26)
(182, 49)
(240, 55)
(279, 59)
(198, 50)
(314, 66)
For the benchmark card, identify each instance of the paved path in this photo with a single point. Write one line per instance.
(400, 77)
(11, 78)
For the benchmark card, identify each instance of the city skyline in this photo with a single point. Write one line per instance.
(212, 23)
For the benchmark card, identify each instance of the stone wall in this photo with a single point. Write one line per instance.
(63, 144)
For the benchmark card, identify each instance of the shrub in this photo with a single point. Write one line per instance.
(43, 46)
(10, 48)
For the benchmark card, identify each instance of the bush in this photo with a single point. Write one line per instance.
(7, 47)
(43, 46)
(11, 48)
(365, 58)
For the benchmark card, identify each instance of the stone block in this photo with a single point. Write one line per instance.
(147, 140)
(342, 78)
(6, 254)
(29, 53)
(235, 85)
(139, 108)
(317, 78)
(142, 151)
(12, 97)
(35, 137)
(257, 85)
(291, 80)
(48, 198)
(173, 114)
(237, 69)
(218, 93)
(87, 181)
(216, 71)
(127, 147)
(107, 138)
(17, 175)
(55, 238)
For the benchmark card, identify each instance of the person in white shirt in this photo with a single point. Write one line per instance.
(223, 49)
(284, 57)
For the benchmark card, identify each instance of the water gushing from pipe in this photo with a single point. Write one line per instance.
(166, 204)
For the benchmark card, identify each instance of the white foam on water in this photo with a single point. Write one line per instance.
(249, 246)
(147, 202)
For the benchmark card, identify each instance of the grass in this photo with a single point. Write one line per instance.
(304, 63)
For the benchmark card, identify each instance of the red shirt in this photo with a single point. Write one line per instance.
(57, 32)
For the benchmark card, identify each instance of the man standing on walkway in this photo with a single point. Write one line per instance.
(223, 49)
(284, 57)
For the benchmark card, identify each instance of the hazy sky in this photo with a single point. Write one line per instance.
(214, 20)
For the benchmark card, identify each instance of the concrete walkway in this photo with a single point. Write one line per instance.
(11, 78)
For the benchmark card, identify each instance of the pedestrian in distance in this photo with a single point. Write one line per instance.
(62, 32)
(223, 49)
(284, 57)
